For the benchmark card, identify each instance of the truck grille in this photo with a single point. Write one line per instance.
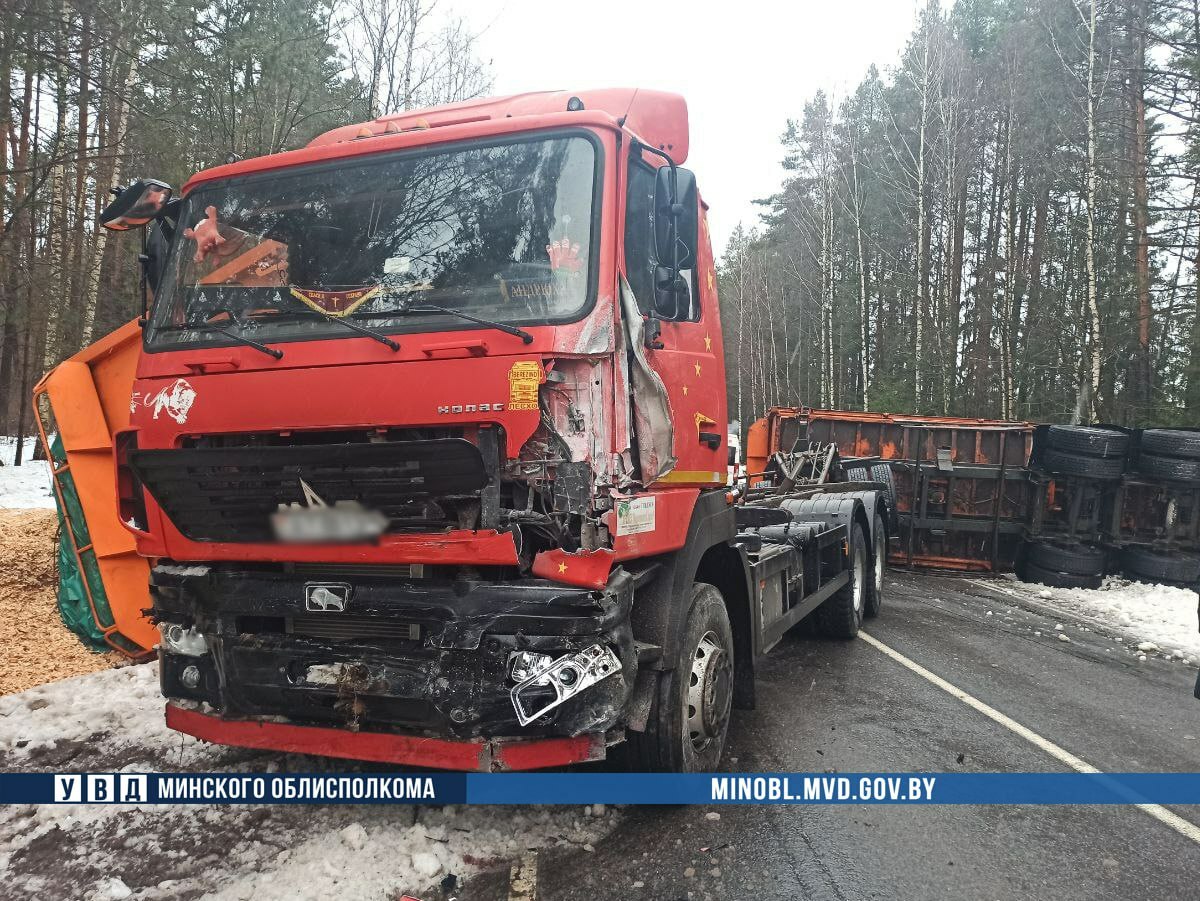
(339, 627)
(228, 494)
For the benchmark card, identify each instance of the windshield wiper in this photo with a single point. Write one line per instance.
(354, 326)
(434, 308)
(212, 327)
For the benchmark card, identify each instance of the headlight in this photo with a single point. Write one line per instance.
(178, 640)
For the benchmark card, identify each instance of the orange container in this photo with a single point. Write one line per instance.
(86, 398)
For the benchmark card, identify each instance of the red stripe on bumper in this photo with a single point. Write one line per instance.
(384, 747)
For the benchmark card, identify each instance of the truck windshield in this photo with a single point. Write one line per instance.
(500, 231)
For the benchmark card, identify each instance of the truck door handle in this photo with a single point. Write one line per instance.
(474, 348)
(222, 364)
(712, 439)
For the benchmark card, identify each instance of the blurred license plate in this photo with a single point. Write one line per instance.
(344, 522)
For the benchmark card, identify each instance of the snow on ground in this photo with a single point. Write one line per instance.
(26, 486)
(112, 721)
(1157, 619)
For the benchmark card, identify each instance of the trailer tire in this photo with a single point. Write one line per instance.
(1171, 443)
(1070, 464)
(1031, 572)
(1142, 564)
(857, 474)
(842, 614)
(1169, 468)
(689, 719)
(1071, 557)
(882, 472)
(1088, 440)
(879, 554)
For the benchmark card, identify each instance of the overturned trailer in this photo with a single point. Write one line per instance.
(1063, 505)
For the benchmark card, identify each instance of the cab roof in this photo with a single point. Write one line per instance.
(659, 118)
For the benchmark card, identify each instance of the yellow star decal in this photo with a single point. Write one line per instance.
(708, 342)
(685, 390)
(697, 369)
(710, 279)
(562, 568)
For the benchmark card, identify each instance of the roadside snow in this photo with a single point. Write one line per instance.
(26, 486)
(113, 721)
(1158, 615)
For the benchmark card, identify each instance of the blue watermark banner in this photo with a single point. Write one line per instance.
(602, 788)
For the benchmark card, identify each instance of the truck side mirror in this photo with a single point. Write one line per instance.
(136, 206)
(676, 234)
(675, 203)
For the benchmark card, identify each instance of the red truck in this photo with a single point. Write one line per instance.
(427, 448)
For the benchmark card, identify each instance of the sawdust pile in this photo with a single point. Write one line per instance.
(35, 647)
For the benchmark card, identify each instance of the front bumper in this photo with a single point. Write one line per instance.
(496, 755)
(414, 658)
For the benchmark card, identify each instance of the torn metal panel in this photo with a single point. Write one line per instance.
(652, 422)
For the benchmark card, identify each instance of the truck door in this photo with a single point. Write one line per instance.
(687, 354)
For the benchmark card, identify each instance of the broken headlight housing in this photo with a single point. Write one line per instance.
(179, 640)
(565, 677)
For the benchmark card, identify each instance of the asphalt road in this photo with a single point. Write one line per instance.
(847, 706)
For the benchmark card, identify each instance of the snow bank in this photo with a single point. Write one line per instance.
(26, 486)
(1160, 615)
(113, 721)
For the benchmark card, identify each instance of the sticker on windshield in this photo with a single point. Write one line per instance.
(635, 516)
(335, 303)
(564, 255)
(523, 381)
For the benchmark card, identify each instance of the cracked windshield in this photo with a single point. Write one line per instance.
(503, 232)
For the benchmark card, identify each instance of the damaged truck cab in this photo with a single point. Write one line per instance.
(427, 447)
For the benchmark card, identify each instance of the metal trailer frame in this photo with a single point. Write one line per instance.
(949, 510)
(968, 492)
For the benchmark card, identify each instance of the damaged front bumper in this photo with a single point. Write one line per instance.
(483, 755)
(400, 657)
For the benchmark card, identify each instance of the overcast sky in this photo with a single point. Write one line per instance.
(745, 67)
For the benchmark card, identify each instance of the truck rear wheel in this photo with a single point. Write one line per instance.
(689, 721)
(842, 615)
(879, 554)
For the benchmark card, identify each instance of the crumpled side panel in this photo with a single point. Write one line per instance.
(652, 423)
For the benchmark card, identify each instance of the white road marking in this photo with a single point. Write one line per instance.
(1186, 828)
(522, 878)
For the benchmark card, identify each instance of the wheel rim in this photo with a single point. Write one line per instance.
(860, 565)
(710, 692)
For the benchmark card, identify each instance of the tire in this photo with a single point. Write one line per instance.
(1141, 564)
(858, 474)
(670, 743)
(1070, 464)
(882, 472)
(1169, 468)
(879, 553)
(1031, 572)
(841, 615)
(1171, 443)
(1088, 440)
(1071, 557)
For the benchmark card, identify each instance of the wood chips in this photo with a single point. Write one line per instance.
(35, 646)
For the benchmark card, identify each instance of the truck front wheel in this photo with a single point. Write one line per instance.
(690, 717)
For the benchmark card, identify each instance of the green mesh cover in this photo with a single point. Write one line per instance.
(72, 596)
